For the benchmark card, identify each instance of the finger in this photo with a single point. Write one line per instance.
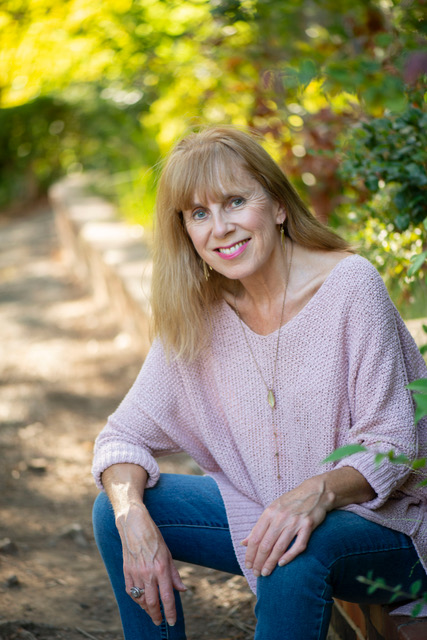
(265, 548)
(152, 603)
(254, 540)
(298, 547)
(277, 552)
(176, 579)
(168, 599)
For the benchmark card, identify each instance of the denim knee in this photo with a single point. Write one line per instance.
(295, 601)
(104, 524)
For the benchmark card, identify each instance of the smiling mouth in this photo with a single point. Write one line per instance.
(228, 251)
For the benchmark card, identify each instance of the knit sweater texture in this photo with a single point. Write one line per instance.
(342, 367)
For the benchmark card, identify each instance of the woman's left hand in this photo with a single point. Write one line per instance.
(293, 515)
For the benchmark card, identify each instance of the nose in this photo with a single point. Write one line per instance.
(221, 226)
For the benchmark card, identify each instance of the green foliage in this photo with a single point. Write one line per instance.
(50, 135)
(389, 154)
(415, 591)
(344, 452)
(303, 74)
(420, 396)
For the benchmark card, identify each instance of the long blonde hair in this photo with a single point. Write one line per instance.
(205, 162)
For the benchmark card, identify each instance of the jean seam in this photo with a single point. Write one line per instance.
(361, 553)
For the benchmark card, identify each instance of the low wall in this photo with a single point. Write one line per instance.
(112, 257)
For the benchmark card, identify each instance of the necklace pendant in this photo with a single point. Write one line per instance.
(271, 399)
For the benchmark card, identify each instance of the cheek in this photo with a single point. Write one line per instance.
(197, 238)
(266, 224)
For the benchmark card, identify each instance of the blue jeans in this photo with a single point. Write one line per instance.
(295, 601)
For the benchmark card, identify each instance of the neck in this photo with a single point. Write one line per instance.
(265, 313)
(263, 290)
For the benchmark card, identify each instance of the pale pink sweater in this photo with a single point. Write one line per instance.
(343, 364)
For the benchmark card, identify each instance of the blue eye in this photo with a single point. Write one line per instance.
(199, 214)
(237, 202)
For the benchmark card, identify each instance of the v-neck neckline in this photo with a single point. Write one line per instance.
(313, 300)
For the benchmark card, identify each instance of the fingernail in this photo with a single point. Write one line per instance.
(248, 565)
(171, 624)
(265, 572)
(256, 573)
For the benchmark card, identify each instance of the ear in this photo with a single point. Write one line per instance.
(280, 214)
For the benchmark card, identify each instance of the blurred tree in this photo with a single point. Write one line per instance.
(312, 76)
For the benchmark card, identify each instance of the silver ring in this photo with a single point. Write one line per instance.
(137, 592)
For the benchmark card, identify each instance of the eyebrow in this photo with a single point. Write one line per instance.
(225, 196)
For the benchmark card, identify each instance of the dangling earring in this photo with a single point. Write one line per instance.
(282, 236)
(205, 270)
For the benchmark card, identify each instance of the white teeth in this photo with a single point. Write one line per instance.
(232, 249)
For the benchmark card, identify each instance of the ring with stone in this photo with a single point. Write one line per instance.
(137, 592)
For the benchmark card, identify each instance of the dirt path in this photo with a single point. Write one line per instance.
(64, 366)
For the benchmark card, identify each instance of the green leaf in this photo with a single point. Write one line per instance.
(400, 459)
(379, 457)
(415, 587)
(417, 263)
(343, 452)
(419, 463)
(307, 72)
(419, 386)
(371, 183)
(423, 349)
(421, 404)
(416, 610)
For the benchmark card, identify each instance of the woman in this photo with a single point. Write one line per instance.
(275, 345)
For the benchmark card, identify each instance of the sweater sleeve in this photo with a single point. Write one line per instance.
(382, 411)
(133, 433)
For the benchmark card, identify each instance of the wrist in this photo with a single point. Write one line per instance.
(319, 486)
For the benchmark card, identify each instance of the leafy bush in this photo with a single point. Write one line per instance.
(81, 130)
(389, 154)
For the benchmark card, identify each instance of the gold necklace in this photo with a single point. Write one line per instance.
(271, 398)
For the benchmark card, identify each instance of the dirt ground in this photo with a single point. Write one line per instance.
(64, 366)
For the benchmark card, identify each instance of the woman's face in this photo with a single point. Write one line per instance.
(236, 234)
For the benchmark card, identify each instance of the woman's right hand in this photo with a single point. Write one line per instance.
(147, 563)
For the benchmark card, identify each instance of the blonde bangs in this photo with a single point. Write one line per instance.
(206, 172)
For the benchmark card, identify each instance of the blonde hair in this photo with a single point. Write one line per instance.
(205, 162)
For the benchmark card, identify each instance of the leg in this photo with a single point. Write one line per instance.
(295, 601)
(191, 516)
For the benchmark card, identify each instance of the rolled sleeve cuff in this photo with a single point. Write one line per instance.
(384, 478)
(130, 454)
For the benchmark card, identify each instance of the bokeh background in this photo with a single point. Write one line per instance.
(336, 88)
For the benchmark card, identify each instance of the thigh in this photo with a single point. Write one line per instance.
(191, 516)
(298, 596)
(351, 547)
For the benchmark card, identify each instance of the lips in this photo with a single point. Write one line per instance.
(233, 250)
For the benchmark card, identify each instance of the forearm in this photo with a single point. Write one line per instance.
(124, 484)
(147, 562)
(343, 486)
